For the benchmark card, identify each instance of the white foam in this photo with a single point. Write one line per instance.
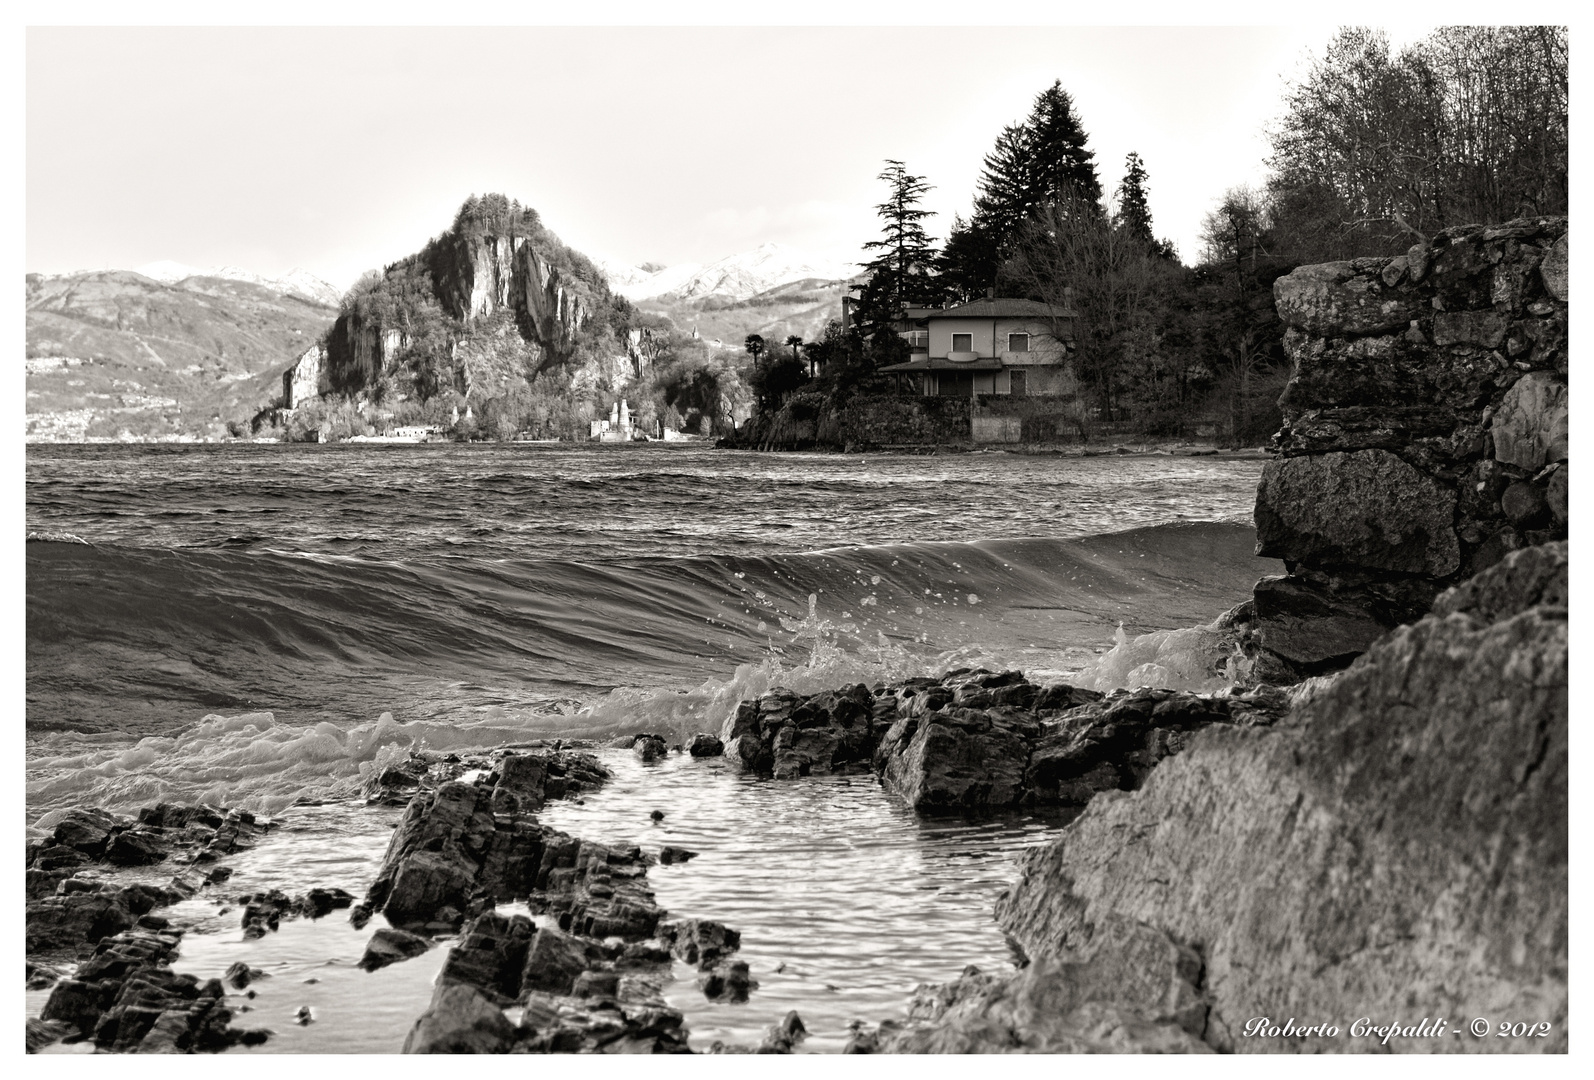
(1203, 659)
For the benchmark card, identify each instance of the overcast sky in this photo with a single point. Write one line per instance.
(337, 150)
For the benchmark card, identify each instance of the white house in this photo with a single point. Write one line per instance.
(997, 345)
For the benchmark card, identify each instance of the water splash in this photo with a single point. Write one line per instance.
(1203, 659)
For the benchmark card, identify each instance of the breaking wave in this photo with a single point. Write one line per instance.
(289, 657)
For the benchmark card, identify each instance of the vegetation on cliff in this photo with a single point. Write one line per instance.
(496, 329)
(1376, 150)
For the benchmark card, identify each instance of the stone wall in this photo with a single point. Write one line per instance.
(1424, 437)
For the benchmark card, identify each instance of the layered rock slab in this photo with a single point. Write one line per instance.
(1395, 849)
(1425, 434)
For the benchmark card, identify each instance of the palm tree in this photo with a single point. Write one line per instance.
(755, 345)
(796, 342)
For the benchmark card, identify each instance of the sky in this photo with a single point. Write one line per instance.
(339, 149)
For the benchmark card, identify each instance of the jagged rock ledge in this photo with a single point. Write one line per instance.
(1394, 850)
(976, 739)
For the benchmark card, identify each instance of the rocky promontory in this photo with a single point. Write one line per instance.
(1393, 852)
(1425, 434)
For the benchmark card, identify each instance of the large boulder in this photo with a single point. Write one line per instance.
(389, 946)
(1396, 848)
(1138, 996)
(1334, 299)
(460, 1020)
(1367, 509)
(1530, 427)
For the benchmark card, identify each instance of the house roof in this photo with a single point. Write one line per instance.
(1002, 307)
(941, 363)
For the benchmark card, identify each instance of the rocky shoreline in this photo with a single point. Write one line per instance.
(1367, 832)
(1229, 843)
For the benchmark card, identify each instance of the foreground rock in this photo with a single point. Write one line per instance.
(1425, 434)
(979, 739)
(1395, 849)
(126, 998)
(589, 983)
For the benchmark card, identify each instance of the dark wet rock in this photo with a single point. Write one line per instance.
(782, 1037)
(705, 744)
(319, 902)
(42, 1033)
(787, 735)
(181, 816)
(1417, 455)
(460, 847)
(730, 980)
(700, 942)
(460, 1020)
(1435, 766)
(239, 975)
(126, 998)
(977, 739)
(85, 911)
(656, 815)
(41, 976)
(555, 960)
(621, 742)
(650, 747)
(86, 830)
(1147, 1005)
(596, 984)
(389, 946)
(491, 955)
(263, 911)
(304, 1015)
(520, 783)
(669, 854)
(129, 848)
(218, 875)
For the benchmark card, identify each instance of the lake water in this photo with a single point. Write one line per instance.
(229, 624)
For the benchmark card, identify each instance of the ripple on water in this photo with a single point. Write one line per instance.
(846, 901)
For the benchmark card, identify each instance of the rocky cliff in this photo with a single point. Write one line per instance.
(1390, 855)
(1424, 438)
(433, 321)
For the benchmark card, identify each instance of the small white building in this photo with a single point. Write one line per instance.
(998, 345)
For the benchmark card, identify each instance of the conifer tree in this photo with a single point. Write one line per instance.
(1134, 214)
(901, 272)
(1037, 163)
(1060, 167)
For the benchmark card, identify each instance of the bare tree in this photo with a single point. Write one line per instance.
(1075, 258)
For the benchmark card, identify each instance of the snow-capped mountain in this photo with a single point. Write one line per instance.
(295, 282)
(735, 277)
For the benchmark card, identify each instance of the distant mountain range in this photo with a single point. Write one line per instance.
(735, 277)
(110, 351)
(170, 350)
(295, 282)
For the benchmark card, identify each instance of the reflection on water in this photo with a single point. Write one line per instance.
(845, 900)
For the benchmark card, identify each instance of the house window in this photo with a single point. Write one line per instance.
(1018, 343)
(916, 339)
(962, 342)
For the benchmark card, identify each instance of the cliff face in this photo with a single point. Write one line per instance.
(1395, 849)
(1425, 433)
(428, 311)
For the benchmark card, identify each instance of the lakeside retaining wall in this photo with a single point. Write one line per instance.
(1424, 437)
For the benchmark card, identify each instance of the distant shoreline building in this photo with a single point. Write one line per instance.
(998, 345)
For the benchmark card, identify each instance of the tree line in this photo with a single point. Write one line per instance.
(1376, 150)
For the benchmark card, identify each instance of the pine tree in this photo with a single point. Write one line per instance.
(1037, 163)
(1060, 166)
(901, 273)
(1134, 214)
